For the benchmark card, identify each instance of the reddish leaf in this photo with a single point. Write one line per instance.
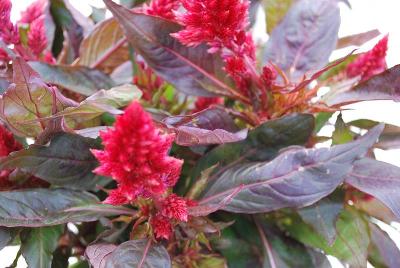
(193, 70)
(210, 126)
(357, 39)
(28, 99)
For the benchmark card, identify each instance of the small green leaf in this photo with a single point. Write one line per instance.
(38, 244)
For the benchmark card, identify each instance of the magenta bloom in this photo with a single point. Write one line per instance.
(212, 21)
(37, 40)
(370, 63)
(162, 8)
(136, 156)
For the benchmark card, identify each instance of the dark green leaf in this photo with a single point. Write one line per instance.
(45, 207)
(38, 244)
(378, 179)
(351, 244)
(384, 86)
(306, 37)
(66, 161)
(78, 79)
(296, 178)
(322, 215)
(320, 120)
(262, 143)
(192, 70)
(134, 253)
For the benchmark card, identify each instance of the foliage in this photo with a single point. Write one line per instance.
(165, 137)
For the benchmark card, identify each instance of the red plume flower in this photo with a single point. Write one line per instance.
(33, 12)
(136, 156)
(212, 21)
(175, 207)
(370, 63)
(162, 8)
(162, 227)
(7, 142)
(203, 103)
(37, 40)
(8, 31)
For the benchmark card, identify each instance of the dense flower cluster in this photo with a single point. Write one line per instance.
(370, 63)
(203, 103)
(212, 21)
(162, 8)
(34, 48)
(136, 156)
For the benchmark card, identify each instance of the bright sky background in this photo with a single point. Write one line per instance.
(365, 15)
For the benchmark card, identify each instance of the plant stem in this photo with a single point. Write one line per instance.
(266, 244)
(15, 262)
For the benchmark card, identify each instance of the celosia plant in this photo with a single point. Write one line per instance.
(165, 136)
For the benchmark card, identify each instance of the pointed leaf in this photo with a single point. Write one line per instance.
(384, 86)
(357, 39)
(104, 47)
(29, 98)
(192, 70)
(387, 248)
(296, 178)
(66, 161)
(134, 253)
(45, 207)
(78, 79)
(305, 38)
(210, 126)
(322, 216)
(378, 179)
(38, 245)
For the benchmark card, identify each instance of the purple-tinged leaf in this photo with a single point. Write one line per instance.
(379, 179)
(384, 86)
(261, 144)
(387, 248)
(192, 70)
(390, 138)
(66, 161)
(305, 38)
(210, 126)
(80, 79)
(96, 254)
(296, 178)
(135, 253)
(27, 100)
(93, 132)
(357, 39)
(46, 207)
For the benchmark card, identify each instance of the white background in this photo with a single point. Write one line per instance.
(365, 15)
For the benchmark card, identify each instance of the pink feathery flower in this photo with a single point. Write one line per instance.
(37, 40)
(212, 21)
(175, 207)
(162, 8)
(162, 227)
(33, 12)
(136, 156)
(8, 144)
(237, 69)
(8, 31)
(203, 103)
(370, 63)
(268, 75)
